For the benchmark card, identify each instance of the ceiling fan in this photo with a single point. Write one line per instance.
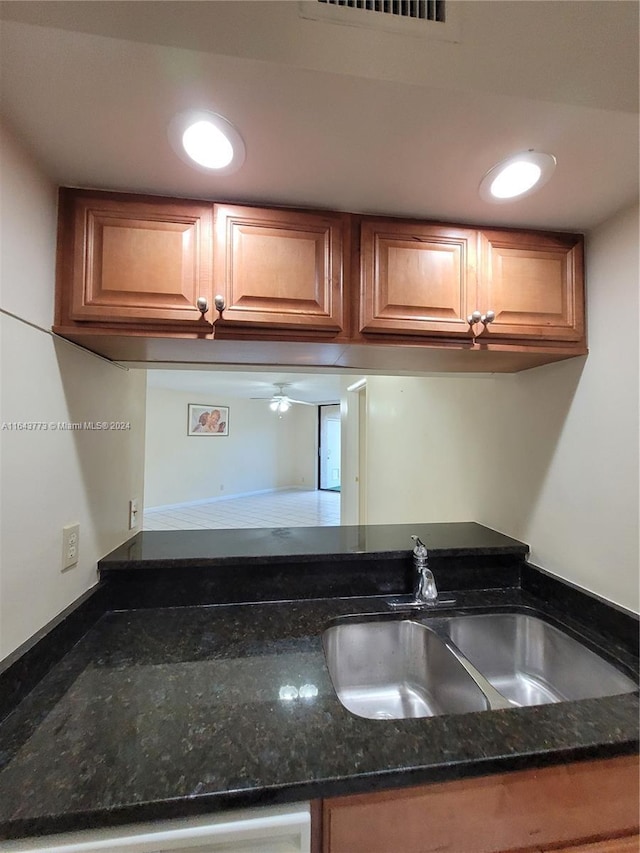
(281, 402)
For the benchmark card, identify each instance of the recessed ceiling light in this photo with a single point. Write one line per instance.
(207, 141)
(517, 176)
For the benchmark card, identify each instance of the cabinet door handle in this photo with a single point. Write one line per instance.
(474, 318)
(202, 305)
(487, 318)
(219, 303)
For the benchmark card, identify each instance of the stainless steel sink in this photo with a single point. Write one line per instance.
(532, 663)
(390, 669)
(394, 669)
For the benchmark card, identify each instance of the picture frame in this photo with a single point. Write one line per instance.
(203, 419)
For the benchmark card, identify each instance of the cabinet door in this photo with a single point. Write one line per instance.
(416, 279)
(523, 810)
(534, 285)
(627, 844)
(279, 269)
(133, 260)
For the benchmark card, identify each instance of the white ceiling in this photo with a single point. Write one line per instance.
(341, 117)
(310, 388)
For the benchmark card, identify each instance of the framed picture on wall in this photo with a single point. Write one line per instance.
(207, 420)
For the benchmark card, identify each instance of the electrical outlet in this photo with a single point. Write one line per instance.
(70, 545)
(133, 513)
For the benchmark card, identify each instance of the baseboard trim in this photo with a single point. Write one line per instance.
(203, 501)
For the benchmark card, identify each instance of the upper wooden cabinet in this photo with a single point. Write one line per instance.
(416, 278)
(133, 260)
(138, 275)
(280, 269)
(421, 279)
(534, 285)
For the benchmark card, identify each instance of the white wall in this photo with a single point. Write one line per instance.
(261, 451)
(423, 459)
(53, 478)
(549, 456)
(565, 437)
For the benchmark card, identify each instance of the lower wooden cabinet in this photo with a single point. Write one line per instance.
(625, 844)
(585, 803)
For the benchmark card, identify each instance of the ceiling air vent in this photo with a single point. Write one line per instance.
(426, 10)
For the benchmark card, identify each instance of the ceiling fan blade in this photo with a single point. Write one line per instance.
(280, 396)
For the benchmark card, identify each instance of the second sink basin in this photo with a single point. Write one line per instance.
(532, 663)
(392, 669)
(398, 668)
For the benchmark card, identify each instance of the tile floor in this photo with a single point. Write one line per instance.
(286, 508)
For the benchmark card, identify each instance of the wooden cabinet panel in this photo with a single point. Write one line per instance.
(135, 267)
(627, 844)
(533, 283)
(523, 810)
(279, 269)
(416, 279)
(132, 260)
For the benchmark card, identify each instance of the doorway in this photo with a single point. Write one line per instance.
(329, 447)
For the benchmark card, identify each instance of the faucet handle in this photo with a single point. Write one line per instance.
(420, 549)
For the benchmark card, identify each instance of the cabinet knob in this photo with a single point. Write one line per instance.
(202, 305)
(219, 303)
(487, 318)
(474, 318)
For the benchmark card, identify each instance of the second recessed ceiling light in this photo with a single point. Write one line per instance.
(517, 176)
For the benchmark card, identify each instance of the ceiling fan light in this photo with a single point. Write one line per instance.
(284, 406)
(273, 405)
(517, 176)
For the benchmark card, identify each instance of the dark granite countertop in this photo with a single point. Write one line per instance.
(129, 710)
(171, 712)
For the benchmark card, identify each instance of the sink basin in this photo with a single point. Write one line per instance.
(532, 663)
(391, 669)
(397, 669)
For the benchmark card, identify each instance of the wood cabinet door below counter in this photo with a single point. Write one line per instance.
(539, 809)
(134, 260)
(280, 270)
(626, 844)
(416, 278)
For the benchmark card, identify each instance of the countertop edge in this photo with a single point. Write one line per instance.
(200, 562)
(202, 804)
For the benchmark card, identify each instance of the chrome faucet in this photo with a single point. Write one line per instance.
(426, 590)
